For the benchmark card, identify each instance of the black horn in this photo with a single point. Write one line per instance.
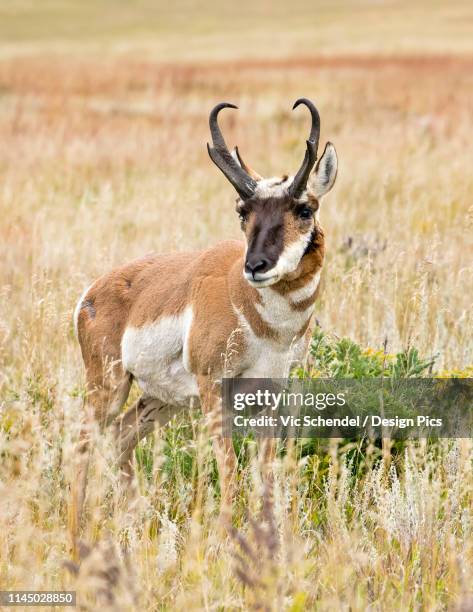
(223, 159)
(310, 157)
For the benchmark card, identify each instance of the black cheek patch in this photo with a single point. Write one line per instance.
(310, 248)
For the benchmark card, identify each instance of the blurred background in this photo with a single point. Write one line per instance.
(212, 30)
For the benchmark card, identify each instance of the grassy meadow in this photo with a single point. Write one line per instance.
(103, 126)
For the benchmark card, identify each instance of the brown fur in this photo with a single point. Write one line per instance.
(221, 285)
(144, 290)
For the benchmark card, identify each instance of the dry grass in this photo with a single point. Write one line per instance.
(187, 30)
(103, 158)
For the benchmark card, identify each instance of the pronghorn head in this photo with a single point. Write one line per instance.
(278, 215)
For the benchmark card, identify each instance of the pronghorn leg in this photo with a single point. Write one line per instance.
(136, 424)
(211, 402)
(266, 457)
(226, 461)
(78, 486)
(105, 399)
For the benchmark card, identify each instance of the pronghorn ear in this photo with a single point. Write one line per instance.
(237, 157)
(323, 178)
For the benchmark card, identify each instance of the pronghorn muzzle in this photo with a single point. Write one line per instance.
(265, 245)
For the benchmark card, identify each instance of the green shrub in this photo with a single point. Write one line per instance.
(343, 358)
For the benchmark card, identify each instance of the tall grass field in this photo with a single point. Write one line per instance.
(103, 129)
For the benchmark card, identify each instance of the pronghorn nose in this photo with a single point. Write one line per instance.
(256, 264)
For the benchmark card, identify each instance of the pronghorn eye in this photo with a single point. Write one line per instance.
(304, 212)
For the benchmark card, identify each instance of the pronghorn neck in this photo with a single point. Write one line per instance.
(279, 312)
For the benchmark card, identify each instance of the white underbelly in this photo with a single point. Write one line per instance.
(156, 356)
(169, 382)
(268, 359)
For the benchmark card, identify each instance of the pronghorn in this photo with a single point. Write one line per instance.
(167, 321)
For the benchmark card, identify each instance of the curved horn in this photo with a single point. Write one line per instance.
(300, 180)
(248, 169)
(223, 159)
